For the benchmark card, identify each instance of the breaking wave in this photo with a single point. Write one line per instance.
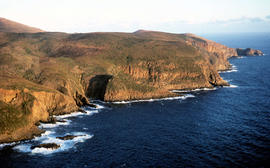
(152, 100)
(233, 69)
(193, 90)
(75, 114)
(7, 144)
(50, 137)
(53, 125)
(231, 86)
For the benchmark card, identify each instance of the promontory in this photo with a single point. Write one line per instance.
(51, 73)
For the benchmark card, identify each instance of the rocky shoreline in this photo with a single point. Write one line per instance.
(34, 132)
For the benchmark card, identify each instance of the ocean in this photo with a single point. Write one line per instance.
(224, 127)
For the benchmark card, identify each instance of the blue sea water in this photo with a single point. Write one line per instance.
(226, 127)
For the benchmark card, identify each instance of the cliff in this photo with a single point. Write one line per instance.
(42, 74)
(22, 109)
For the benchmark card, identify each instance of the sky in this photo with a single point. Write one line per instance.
(176, 16)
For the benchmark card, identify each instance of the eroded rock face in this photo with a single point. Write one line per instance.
(24, 108)
(248, 52)
(156, 79)
(218, 53)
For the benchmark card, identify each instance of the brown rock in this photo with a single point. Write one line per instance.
(81, 110)
(248, 52)
(46, 145)
(67, 137)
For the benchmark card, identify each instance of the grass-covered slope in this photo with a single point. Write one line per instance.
(11, 26)
(51, 73)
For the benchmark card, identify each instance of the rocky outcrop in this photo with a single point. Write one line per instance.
(67, 137)
(51, 146)
(248, 52)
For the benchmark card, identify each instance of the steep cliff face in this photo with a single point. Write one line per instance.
(145, 81)
(218, 54)
(22, 109)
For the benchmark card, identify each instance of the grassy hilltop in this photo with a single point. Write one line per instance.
(11, 26)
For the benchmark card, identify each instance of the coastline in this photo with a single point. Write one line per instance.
(177, 92)
(173, 94)
(231, 68)
(183, 97)
(206, 75)
(44, 129)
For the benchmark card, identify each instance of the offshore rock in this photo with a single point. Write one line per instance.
(67, 137)
(248, 52)
(47, 146)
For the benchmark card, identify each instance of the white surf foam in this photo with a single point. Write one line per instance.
(44, 135)
(53, 125)
(228, 80)
(240, 57)
(204, 89)
(91, 112)
(231, 86)
(99, 106)
(187, 96)
(229, 71)
(233, 69)
(44, 151)
(152, 100)
(8, 144)
(64, 144)
(74, 114)
(194, 90)
(25, 148)
(49, 136)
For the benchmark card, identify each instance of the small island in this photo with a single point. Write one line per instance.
(248, 52)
